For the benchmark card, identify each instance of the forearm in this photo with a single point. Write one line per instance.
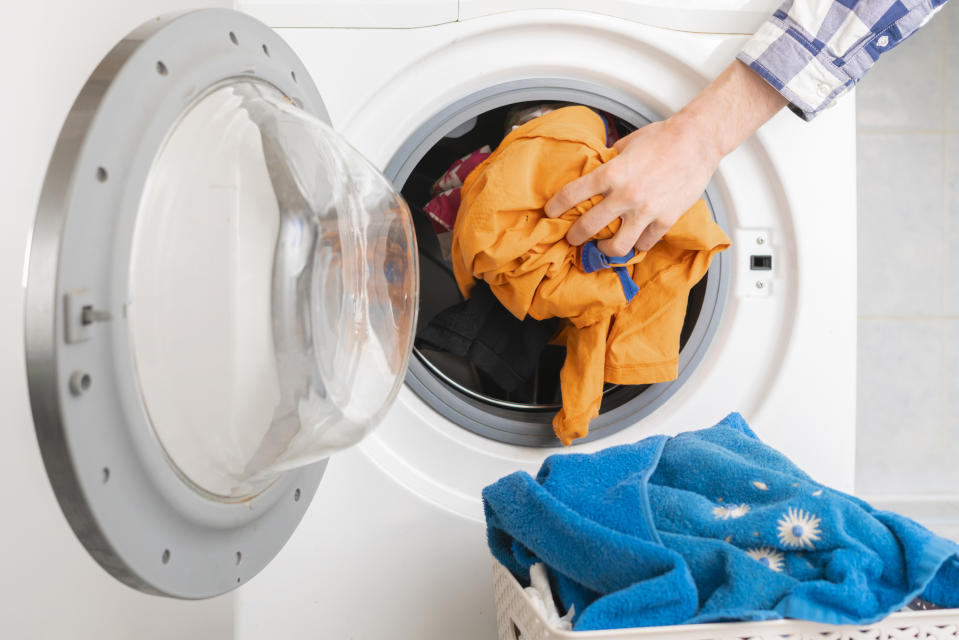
(730, 109)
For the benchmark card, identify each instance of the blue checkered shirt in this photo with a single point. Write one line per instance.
(813, 51)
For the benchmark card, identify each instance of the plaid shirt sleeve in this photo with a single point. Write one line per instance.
(813, 51)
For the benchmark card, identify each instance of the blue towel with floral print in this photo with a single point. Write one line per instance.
(707, 526)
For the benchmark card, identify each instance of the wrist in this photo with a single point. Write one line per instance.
(729, 110)
(700, 131)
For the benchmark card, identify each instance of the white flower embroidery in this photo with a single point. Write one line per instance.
(798, 529)
(760, 485)
(730, 511)
(772, 558)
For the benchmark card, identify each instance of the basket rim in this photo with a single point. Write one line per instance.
(785, 626)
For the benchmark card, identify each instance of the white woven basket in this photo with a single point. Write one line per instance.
(516, 616)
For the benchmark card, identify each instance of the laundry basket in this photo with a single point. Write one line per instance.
(516, 616)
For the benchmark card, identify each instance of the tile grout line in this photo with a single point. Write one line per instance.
(943, 369)
(915, 318)
(943, 432)
(908, 318)
(879, 131)
(943, 51)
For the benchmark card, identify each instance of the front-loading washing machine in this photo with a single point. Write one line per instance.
(153, 269)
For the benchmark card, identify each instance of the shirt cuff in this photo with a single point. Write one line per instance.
(812, 53)
(806, 77)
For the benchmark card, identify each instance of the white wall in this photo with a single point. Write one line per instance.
(908, 127)
(49, 586)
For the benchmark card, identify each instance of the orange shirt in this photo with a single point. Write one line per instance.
(503, 236)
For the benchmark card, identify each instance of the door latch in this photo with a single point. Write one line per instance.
(81, 315)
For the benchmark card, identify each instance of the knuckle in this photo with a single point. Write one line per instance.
(633, 192)
(601, 216)
(556, 206)
(591, 226)
(572, 194)
(565, 195)
(619, 179)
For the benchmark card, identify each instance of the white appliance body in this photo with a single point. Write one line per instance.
(393, 545)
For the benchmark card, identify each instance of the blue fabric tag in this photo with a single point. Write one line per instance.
(593, 260)
(630, 288)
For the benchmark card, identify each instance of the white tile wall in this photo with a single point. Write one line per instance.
(908, 163)
(951, 220)
(901, 253)
(900, 428)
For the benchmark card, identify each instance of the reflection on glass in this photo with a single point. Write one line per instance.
(272, 293)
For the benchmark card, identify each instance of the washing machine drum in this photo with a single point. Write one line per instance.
(221, 294)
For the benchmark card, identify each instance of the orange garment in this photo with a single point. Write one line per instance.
(503, 236)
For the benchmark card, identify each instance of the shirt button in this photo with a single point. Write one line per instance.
(823, 89)
(882, 41)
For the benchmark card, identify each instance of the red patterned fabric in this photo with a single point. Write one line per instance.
(446, 191)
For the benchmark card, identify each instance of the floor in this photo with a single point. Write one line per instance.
(908, 167)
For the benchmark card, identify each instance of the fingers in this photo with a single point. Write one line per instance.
(591, 222)
(624, 239)
(579, 190)
(651, 235)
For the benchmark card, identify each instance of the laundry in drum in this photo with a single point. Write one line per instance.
(444, 204)
(707, 526)
(507, 358)
(619, 319)
(505, 350)
(482, 330)
(521, 114)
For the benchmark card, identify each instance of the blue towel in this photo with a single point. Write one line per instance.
(707, 526)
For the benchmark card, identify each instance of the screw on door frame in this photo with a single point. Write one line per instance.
(80, 382)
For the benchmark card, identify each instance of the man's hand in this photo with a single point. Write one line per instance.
(664, 167)
(660, 172)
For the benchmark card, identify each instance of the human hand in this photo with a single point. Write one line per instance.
(664, 167)
(659, 173)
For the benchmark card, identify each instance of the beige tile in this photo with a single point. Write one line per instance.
(900, 224)
(900, 446)
(952, 223)
(951, 401)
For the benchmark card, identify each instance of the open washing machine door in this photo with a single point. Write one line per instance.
(221, 293)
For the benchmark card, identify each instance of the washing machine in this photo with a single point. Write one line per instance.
(240, 190)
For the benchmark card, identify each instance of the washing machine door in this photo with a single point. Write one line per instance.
(221, 294)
